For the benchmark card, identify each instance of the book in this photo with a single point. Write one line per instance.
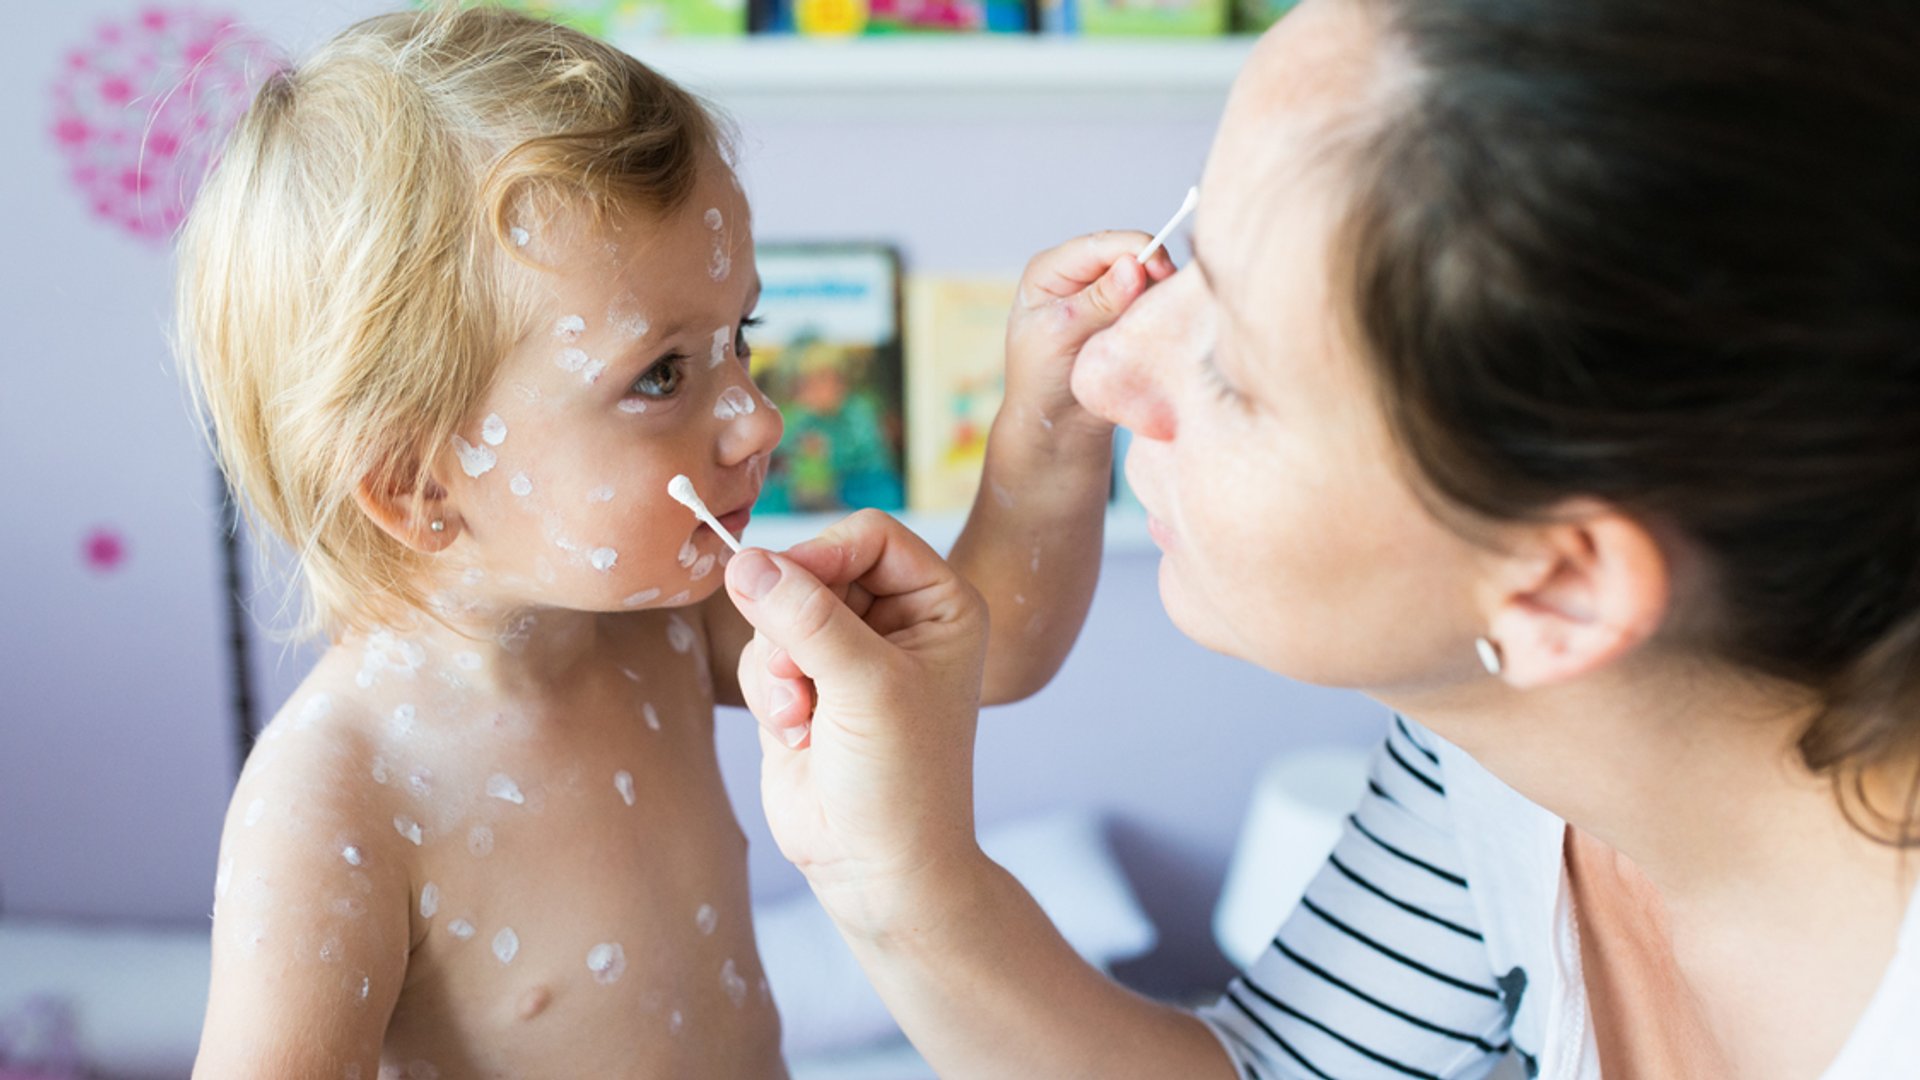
(956, 377)
(1155, 18)
(848, 18)
(631, 19)
(828, 353)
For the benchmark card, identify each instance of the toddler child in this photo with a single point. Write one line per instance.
(464, 292)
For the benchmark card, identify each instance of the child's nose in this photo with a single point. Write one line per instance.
(1121, 376)
(750, 425)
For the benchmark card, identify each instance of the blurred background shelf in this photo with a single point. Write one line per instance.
(1126, 530)
(907, 73)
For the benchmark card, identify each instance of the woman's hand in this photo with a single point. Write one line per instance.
(866, 634)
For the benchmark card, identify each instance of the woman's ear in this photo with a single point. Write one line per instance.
(1585, 589)
(427, 525)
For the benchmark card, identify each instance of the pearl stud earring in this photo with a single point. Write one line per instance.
(437, 525)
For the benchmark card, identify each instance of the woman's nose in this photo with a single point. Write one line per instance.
(750, 425)
(1123, 374)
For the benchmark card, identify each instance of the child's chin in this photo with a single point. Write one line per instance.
(674, 594)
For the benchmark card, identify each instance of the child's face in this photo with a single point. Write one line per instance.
(636, 370)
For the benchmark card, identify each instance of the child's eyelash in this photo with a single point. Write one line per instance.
(1221, 386)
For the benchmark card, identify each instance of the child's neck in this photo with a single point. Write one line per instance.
(519, 653)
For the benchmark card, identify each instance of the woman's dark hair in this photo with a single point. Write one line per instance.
(1666, 254)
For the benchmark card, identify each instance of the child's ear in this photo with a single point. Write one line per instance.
(426, 525)
(1585, 590)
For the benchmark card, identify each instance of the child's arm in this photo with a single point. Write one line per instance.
(310, 939)
(1032, 545)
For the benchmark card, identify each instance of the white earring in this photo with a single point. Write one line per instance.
(437, 525)
(1489, 655)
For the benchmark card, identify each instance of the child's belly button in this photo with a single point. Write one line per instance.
(534, 1002)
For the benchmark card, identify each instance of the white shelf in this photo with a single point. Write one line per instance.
(1126, 530)
(884, 71)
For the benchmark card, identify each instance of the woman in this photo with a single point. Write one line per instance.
(1551, 372)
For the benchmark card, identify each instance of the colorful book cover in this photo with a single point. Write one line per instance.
(1158, 18)
(848, 18)
(828, 353)
(631, 19)
(956, 375)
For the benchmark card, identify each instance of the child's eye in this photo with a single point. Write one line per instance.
(663, 379)
(741, 348)
(1218, 381)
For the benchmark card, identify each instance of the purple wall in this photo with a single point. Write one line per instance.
(114, 733)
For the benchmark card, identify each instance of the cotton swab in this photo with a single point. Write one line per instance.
(1186, 207)
(682, 491)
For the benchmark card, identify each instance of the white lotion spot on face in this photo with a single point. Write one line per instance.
(639, 598)
(569, 328)
(420, 781)
(652, 716)
(480, 841)
(679, 634)
(501, 786)
(571, 360)
(469, 661)
(623, 783)
(1002, 496)
(493, 430)
(254, 809)
(407, 827)
(475, 461)
(601, 494)
(703, 566)
(429, 900)
(352, 855)
(733, 403)
(506, 945)
(592, 372)
(722, 262)
(382, 772)
(603, 558)
(680, 598)
(403, 717)
(735, 986)
(714, 220)
(722, 346)
(632, 406)
(706, 919)
(607, 961)
(520, 485)
(460, 928)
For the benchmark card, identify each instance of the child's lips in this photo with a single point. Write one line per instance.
(736, 521)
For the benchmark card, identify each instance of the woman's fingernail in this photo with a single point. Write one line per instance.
(794, 736)
(753, 574)
(783, 699)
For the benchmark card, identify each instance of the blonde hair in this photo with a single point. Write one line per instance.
(344, 296)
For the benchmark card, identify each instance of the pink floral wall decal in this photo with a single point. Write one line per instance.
(141, 108)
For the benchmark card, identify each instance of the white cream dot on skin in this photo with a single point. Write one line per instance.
(254, 809)
(330, 950)
(403, 717)
(632, 675)
(733, 403)
(714, 220)
(569, 328)
(679, 634)
(722, 346)
(352, 855)
(603, 558)
(634, 406)
(480, 841)
(680, 598)
(316, 709)
(382, 772)
(420, 781)
(706, 919)
(429, 900)
(722, 262)
(703, 566)
(592, 372)
(506, 945)
(571, 360)
(607, 961)
(689, 553)
(735, 986)
(676, 1023)
(652, 716)
(475, 461)
(501, 786)
(601, 494)
(468, 660)
(1002, 496)
(407, 828)
(623, 783)
(351, 907)
(223, 877)
(520, 485)
(460, 928)
(646, 597)
(493, 430)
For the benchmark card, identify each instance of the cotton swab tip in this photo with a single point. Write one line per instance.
(1180, 215)
(682, 491)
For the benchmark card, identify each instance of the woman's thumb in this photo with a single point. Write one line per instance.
(791, 608)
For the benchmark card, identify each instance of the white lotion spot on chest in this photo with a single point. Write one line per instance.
(429, 900)
(493, 430)
(501, 786)
(607, 961)
(601, 494)
(706, 919)
(521, 484)
(679, 634)
(480, 841)
(255, 809)
(407, 828)
(623, 783)
(569, 328)
(652, 716)
(506, 945)
(460, 928)
(603, 558)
